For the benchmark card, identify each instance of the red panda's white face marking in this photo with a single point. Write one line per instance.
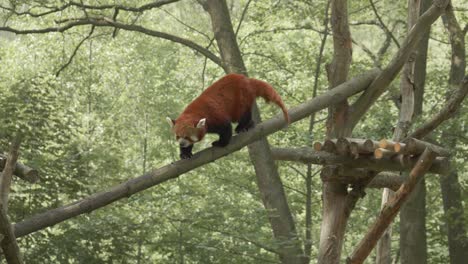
(186, 134)
(184, 142)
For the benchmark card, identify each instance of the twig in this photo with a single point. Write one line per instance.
(453, 103)
(367, 51)
(155, 4)
(387, 31)
(75, 51)
(244, 12)
(187, 25)
(107, 22)
(279, 29)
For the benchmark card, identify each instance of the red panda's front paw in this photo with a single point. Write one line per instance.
(186, 155)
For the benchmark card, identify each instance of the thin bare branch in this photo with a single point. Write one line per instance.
(367, 51)
(279, 29)
(244, 12)
(107, 22)
(75, 51)
(29, 12)
(382, 24)
(453, 103)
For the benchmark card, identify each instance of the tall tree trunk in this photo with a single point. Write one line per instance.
(412, 87)
(413, 241)
(335, 213)
(450, 186)
(268, 180)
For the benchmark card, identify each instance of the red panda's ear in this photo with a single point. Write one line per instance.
(170, 121)
(201, 123)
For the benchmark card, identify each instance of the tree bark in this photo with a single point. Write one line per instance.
(8, 242)
(335, 211)
(268, 180)
(380, 84)
(391, 208)
(455, 221)
(396, 163)
(22, 171)
(413, 241)
(450, 186)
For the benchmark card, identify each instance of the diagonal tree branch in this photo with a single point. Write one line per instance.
(174, 170)
(453, 103)
(391, 208)
(380, 84)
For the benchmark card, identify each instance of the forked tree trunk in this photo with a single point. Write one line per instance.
(268, 180)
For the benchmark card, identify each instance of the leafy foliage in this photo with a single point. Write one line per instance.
(101, 121)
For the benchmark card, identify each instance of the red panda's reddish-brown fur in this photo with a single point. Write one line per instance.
(225, 101)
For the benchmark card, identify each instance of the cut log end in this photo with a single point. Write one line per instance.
(381, 153)
(398, 147)
(386, 144)
(317, 146)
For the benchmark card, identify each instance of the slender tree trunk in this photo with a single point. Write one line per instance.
(308, 221)
(268, 180)
(454, 218)
(335, 213)
(413, 241)
(450, 186)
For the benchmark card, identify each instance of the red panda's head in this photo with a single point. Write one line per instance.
(187, 132)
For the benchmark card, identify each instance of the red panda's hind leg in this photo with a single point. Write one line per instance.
(225, 133)
(245, 122)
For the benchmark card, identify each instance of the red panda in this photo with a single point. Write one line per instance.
(228, 100)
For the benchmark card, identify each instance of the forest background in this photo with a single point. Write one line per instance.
(91, 103)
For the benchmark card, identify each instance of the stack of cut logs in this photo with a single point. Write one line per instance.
(358, 160)
(379, 149)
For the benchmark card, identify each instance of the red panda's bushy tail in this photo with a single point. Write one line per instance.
(266, 91)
